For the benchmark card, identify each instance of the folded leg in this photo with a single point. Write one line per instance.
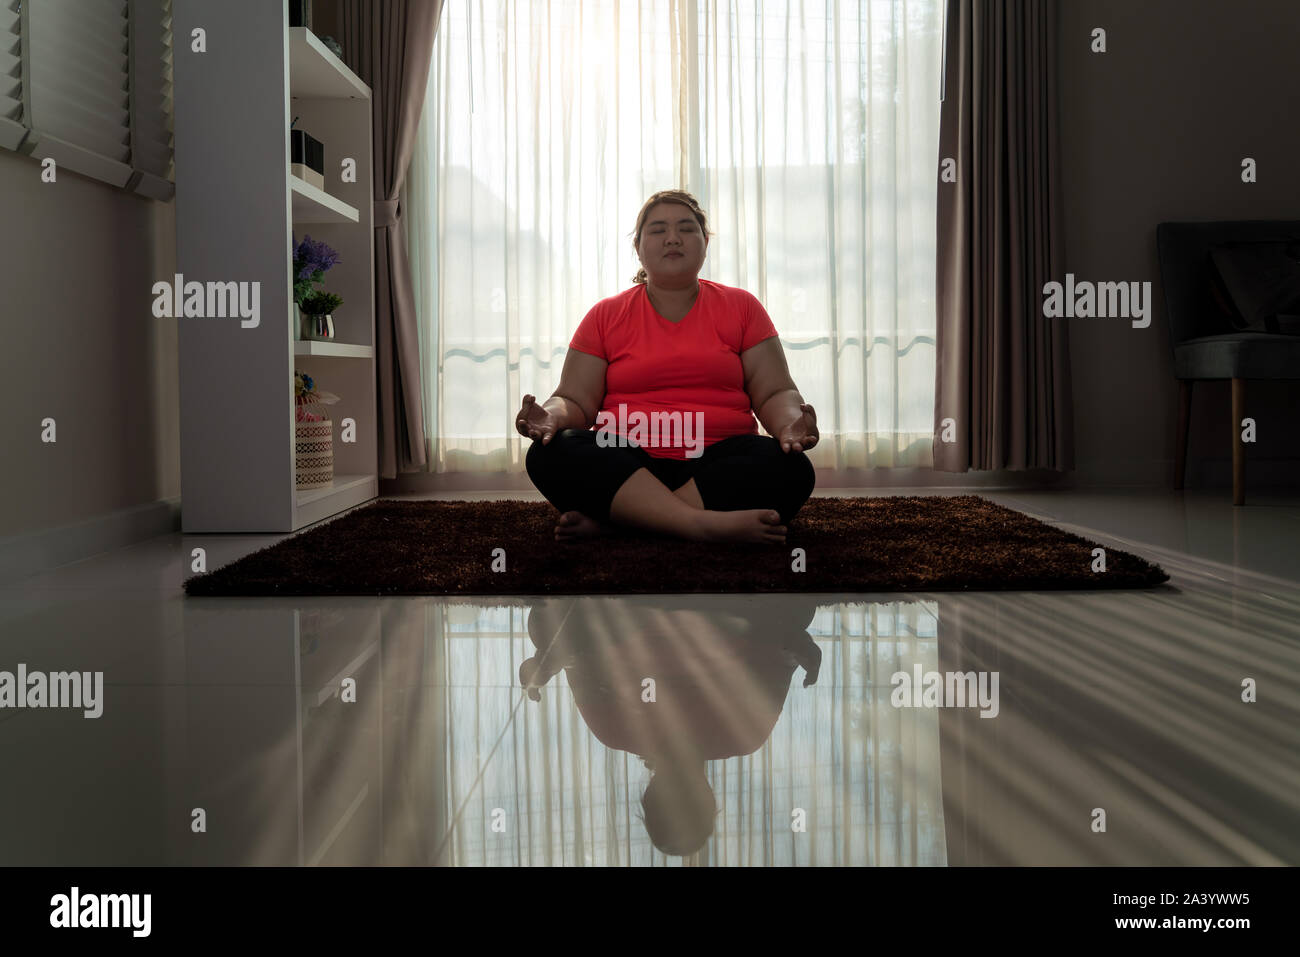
(576, 474)
(751, 471)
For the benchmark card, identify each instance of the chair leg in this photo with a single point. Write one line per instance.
(1238, 447)
(1180, 439)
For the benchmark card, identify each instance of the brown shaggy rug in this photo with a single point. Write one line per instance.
(396, 547)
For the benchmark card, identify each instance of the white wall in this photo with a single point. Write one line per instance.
(80, 345)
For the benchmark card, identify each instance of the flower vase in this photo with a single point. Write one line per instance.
(296, 322)
(319, 328)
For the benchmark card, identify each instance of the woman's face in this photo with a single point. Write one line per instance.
(672, 245)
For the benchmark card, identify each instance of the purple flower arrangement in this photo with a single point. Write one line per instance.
(311, 260)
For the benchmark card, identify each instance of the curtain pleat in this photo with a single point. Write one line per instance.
(389, 46)
(1002, 393)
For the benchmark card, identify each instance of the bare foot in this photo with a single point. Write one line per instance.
(747, 525)
(574, 526)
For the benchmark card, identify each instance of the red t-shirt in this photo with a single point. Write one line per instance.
(692, 366)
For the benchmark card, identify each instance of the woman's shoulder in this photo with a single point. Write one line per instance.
(733, 295)
(615, 306)
(618, 302)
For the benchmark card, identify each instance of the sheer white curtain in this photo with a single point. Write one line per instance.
(809, 132)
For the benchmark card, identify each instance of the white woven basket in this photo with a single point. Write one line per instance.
(313, 448)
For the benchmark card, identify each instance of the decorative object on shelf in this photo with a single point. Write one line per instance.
(313, 434)
(317, 321)
(306, 157)
(309, 399)
(333, 46)
(311, 260)
(300, 13)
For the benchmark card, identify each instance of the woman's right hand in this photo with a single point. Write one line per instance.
(535, 420)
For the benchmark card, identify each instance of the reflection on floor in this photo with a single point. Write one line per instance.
(919, 729)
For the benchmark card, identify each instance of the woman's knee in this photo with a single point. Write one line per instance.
(793, 470)
(797, 485)
(803, 476)
(533, 458)
(566, 437)
(561, 442)
(762, 477)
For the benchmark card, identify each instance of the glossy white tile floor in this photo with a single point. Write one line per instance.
(1122, 702)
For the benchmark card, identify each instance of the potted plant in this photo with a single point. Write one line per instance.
(311, 260)
(317, 321)
(313, 434)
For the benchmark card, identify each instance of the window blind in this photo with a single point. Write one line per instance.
(151, 97)
(12, 128)
(90, 85)
(78, 100)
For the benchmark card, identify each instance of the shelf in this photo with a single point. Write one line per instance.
(312, 205)
(337, 350)
(341, 485)
(315, 72)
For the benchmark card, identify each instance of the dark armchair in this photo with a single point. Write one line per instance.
(1206, 343)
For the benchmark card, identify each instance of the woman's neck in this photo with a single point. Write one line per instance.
(673, 300)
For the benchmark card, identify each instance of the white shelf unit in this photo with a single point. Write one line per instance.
(238, 209)
(317, 73)
(339, 350)
(341, 484)
(313, 205)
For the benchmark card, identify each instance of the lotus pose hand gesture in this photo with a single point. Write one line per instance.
(801, 434)
(535, 420)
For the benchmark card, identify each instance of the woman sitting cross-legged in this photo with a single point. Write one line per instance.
(672, 372)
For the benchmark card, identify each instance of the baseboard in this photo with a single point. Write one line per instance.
(35, 552)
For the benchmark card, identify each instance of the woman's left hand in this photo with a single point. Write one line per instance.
(801, 434)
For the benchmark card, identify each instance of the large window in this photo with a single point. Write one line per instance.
(809, 132)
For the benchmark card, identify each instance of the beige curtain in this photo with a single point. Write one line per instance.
(1003, 375)
(389, 46)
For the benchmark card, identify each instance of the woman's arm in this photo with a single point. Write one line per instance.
(580, 393)
(772, 393)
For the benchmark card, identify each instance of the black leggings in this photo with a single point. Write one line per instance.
(739, 472)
